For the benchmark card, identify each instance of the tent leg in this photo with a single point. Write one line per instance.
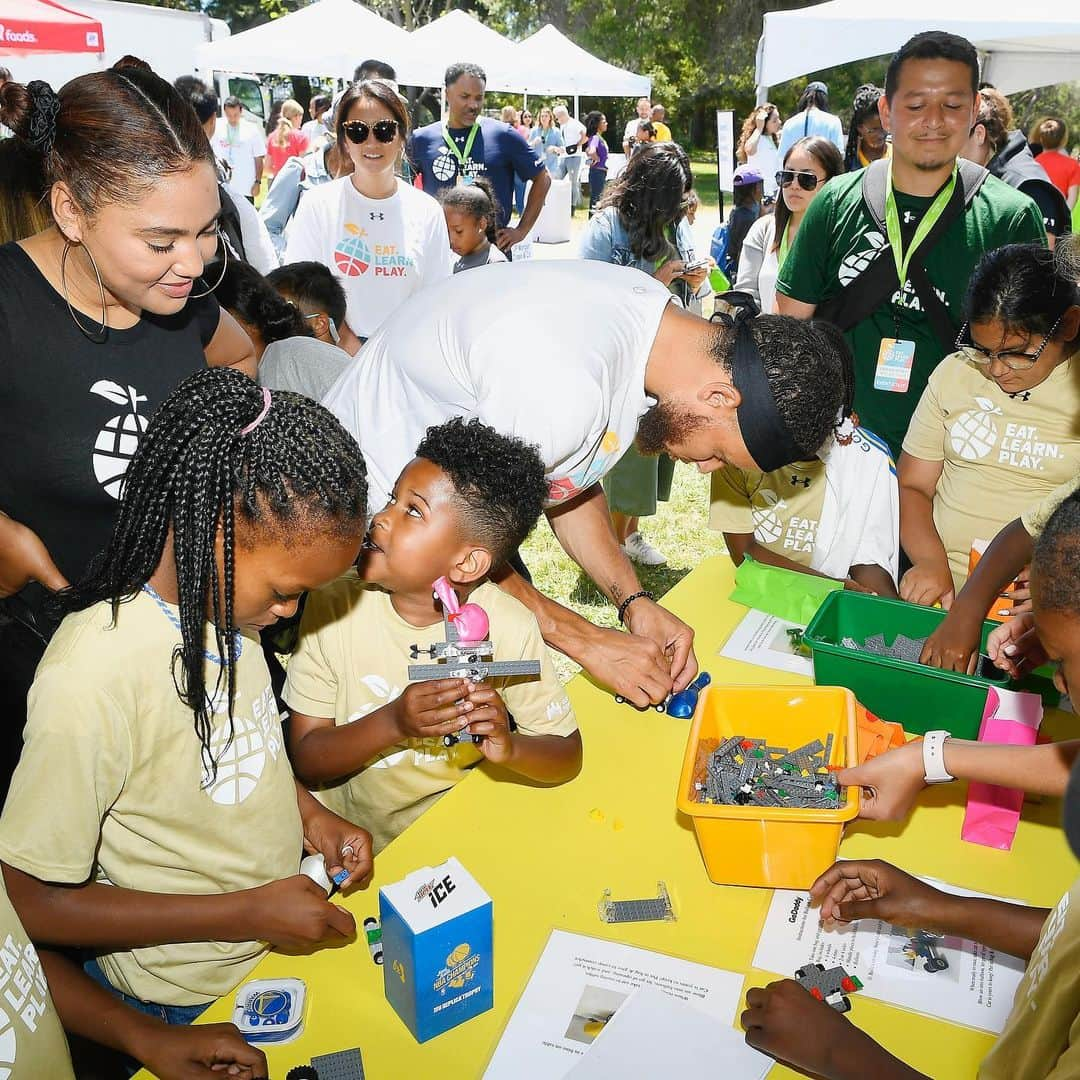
(577, 108)
(525, 101)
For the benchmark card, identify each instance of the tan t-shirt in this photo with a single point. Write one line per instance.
(1002, 454)
(1041, 1040)
(112, 784)
(32, 1041)
(781, 508)
(353, 657)
(1034, 519)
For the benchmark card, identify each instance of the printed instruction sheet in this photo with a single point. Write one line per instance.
(578, 984)
(762, 639)
(948, 977)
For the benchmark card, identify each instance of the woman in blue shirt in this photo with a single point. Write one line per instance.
(547, 138)
(641, 222)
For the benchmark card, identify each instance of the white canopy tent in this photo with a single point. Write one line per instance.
(1036, 43)
(566, 68)
(458, 36)
(328, 37)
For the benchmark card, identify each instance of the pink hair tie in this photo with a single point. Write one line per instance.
(262, 416)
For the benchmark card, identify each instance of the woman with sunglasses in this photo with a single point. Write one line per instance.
(383, 237)
(996, 430)
(807, 166)
(102, 315)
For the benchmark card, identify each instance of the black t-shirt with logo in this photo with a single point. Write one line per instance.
(72, 411)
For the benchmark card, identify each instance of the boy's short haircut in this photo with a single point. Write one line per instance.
(313, 287)
(233, 102)
(1056, 559)
(499, 481)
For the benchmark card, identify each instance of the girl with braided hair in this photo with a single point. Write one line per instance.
(175, 826)
(102, 314)
(866, 140)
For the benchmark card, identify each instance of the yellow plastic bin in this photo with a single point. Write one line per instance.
(770, 847)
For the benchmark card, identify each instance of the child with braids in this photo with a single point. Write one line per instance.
(471, 215)
(836, 515)
(867, 139)
(154, 818)
(459, 508)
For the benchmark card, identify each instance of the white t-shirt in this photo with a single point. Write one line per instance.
(383, 250)
(238, 147)
(759, 264)
(630, 131)
(766, 159)
(572, 131)
(258, 247)
(454, 351)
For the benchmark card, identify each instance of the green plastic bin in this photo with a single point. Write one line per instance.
(917, 697)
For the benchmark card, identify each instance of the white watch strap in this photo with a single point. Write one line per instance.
(933, 757)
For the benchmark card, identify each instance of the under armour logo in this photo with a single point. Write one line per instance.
(376, 215)
(1021, 395)
(797, 480)
(909, 216)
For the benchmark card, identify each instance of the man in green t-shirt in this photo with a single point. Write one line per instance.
(929, 107)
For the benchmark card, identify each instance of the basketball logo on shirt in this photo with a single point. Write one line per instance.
(118, 440)
(241, 761)
(352, 256)
(444, 167)
(974, 434)
(768, 528)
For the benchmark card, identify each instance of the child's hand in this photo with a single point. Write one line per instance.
(490, 720)
(854, 889)
(343, 846)
(785, 1022)
(928, 582)
(954, 645)
(427, 710)
(294, 914)
(891, 782)
(178, 1052)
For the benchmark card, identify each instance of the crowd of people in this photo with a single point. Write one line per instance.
(232, 433)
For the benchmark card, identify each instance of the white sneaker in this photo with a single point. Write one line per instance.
(641, 551)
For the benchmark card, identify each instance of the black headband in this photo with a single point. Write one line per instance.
(763, 429)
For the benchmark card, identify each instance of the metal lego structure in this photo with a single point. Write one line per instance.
(619, 911)
(831, 986)
(457, 658)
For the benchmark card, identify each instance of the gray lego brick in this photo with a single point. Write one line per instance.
(344, 1065)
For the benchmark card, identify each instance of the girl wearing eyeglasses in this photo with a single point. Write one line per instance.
(807, 166)
(384, 238)
(996, 430)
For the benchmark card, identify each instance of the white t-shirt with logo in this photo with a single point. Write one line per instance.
(238, 147)
(463, 349)
(382, 250)
(113, 785)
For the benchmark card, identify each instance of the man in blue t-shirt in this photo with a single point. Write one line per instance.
(470, 145)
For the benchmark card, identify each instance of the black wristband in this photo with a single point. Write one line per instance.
(630, 599)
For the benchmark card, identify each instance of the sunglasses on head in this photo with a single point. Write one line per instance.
(357, 131)
(806, 180)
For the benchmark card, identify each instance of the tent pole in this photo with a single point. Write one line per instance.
(525, 101)
(577, 108)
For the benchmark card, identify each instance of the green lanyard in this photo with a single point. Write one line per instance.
(783, 247)
(892, 223)
(462, 158)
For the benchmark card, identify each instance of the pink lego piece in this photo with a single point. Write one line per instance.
(470, 620)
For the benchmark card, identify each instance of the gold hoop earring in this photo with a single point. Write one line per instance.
(99, 336)
(224, 245)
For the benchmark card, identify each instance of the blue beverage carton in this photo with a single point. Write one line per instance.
(437, 949)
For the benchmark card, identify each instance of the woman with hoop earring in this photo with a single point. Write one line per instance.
(102, 315)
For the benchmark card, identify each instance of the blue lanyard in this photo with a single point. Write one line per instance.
(167, 611)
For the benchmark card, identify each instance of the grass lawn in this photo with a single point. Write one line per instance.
(679, 530)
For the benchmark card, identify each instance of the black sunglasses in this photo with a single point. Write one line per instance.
(356, 131)
(806, 180)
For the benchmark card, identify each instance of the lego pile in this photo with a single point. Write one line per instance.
(749, 772)
(903, 648)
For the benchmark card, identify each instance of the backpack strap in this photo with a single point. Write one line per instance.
(860, 298)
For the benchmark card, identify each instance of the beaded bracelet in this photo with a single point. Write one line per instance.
(630, 599)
